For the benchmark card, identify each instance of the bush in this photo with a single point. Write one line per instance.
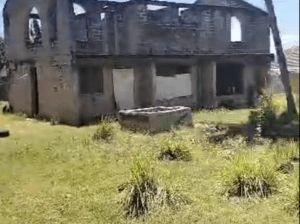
(174, 150)
(248, 177)
(265, 114)
(105, 131)
(143, 194)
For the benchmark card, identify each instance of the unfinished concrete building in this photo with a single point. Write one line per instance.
(76, 65)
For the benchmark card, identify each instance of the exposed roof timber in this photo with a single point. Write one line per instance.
(246, 5)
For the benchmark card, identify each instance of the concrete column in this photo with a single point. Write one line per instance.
(199, 86)
(194, 79)
(144, 84)
(208, 77)
(63, 27)
(249, 85)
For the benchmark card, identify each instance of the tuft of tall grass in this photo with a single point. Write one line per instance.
(285, 150)
(172, 149)
(143, 194)
(105, 131)
(249, 177)
(290, 194)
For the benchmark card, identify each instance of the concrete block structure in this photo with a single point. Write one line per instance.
(155, 119)
(76, 60)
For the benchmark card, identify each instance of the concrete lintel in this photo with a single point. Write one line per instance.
(200, 56)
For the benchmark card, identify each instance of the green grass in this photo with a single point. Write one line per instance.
(59, 174)
(239, 116)
(250, 176)
(280, 102)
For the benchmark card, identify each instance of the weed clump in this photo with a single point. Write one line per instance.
(105, 131)
(174, 150)
(245, 177)
(143, 194)
(265, 114)
(292, 195)
(286, 167)
(286, 150)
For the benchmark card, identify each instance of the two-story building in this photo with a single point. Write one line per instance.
(79, 59)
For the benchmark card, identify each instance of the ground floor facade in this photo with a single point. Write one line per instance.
(79, 90)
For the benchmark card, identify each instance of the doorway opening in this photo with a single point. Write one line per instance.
(229, 79)
(34, 92)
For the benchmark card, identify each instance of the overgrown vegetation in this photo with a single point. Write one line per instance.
(174, 149)
(285, 150)
(265, 114)
(143, 194)
(249, 177)
(105, 131)
(291, 195)
(59, 174)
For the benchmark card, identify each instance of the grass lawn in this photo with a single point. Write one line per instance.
(58, 174)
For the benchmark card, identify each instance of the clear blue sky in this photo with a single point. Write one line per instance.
(287, 12)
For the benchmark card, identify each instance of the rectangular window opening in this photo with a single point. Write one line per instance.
(91, 80)
(171, 70)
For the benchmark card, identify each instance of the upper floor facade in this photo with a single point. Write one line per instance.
(136, 27)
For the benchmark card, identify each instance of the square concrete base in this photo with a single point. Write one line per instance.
(155, 119)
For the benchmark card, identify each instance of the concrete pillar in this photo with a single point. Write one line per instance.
(144, 83)
(63, 27)
(194, 79)
(208, 78)
(249, 85)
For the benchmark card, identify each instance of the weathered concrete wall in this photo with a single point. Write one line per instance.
(208, 83)
(253, 75)
(124, 29)
(20, 90)
(173, 87)
(155, 119)
(132, 28)
(143, 89)
(58, 88)
(57, 84)
(145, 84)
(123, 82)
(94, 105)
(198, 30)
(88, 28)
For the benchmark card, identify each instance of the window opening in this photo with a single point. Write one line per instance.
(180, 10)
(91, 80)
(78, 9)
(171, 70)
(35, 27)
(155, 7)
(102, 15)
(236, 29)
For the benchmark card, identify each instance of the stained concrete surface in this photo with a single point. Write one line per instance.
(127, 35)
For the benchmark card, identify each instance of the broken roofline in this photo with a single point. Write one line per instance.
(177, 5)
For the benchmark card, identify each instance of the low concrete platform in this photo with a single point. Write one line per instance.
(155, 119)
